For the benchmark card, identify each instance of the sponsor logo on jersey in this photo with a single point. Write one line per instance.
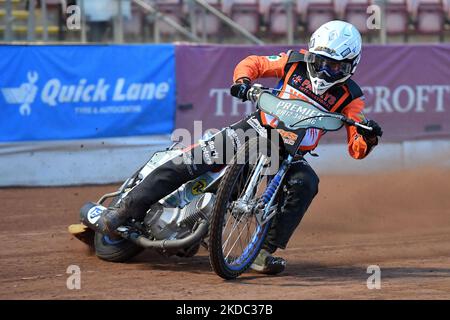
(288, 137)
(254, 123)
(273, 58)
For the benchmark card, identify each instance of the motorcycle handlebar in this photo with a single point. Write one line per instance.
(356, 124)
(257, 89)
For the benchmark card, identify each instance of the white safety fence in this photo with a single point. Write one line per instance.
(334, 159)
(101, 161)
(74, 162)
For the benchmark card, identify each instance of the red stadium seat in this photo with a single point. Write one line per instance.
(173, 10)
(278, 18)
(397, 17)
(446, 5)
(264, 10)
(207, 22)
(318, 13)
(430, 17)
(243, 12)
(355, 12)
(302, 11)
(133, 27)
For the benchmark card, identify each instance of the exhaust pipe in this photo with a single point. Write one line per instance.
(90, 213)
(187, 242)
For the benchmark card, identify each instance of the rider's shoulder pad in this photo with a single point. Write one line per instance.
(296, 56)
(354, 89)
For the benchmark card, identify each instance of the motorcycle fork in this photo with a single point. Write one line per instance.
(266, 211)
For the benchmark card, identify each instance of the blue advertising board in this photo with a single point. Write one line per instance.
(86, 91)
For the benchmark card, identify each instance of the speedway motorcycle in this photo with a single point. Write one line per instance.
(229, 212)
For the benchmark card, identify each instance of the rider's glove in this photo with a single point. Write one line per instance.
(240, 88)
(372, 134)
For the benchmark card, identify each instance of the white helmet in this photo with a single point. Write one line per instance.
(334, 52)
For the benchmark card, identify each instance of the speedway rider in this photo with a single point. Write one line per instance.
(320, 75)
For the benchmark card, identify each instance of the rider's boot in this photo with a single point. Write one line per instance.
(112, 218)
(301, 187)
(267, 264)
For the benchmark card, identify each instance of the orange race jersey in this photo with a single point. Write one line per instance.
(290, 68)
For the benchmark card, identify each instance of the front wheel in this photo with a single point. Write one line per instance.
(114, 249)
(235, 235)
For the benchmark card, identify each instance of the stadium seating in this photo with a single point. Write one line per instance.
(20, 16)
(446, 7)
(397, 17)
(206, 23)
(134, 27)
(267, 19)
(246, 13)
(430, 17)
(278, 17)
(172, 9)
(319, 12)
(355, 12)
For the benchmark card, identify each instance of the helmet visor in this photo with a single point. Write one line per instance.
(329, 69)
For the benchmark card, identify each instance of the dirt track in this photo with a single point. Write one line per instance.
(400, 222)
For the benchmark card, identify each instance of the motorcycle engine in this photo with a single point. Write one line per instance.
(165, 223)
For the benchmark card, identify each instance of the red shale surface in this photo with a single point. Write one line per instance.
(398, 221)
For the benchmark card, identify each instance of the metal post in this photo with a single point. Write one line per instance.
(204, 26)
(156, 33)
(83, 23)
(192, 17)
(383, 34)
(118, 23)
(8, 36)
(289, 5)
(31, 34)
(229, 22)
(44, 20)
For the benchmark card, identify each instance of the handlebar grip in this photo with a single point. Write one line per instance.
(357, 124)
(349, 121)
(254, 92)
(363, 126)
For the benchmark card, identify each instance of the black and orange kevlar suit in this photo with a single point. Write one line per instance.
(301, 180)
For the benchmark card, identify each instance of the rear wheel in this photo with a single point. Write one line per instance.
(236, 236)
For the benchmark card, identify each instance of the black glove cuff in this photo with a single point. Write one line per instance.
(243, 80)
(371, 140)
